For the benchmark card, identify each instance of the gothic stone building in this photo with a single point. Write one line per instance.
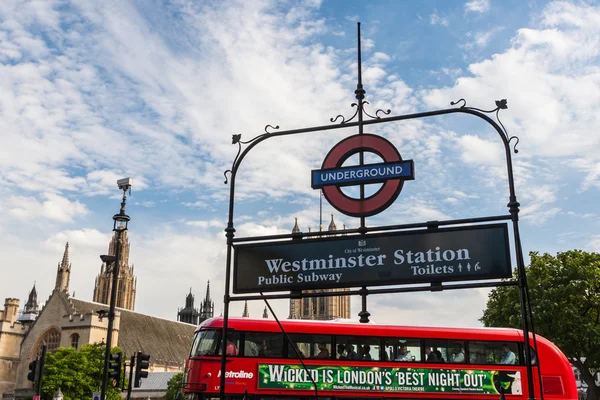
(320, 308)
(65, 321)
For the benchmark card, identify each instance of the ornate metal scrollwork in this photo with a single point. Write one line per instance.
(361, 109)
(344, 120)
(237, 139)
(500, 105)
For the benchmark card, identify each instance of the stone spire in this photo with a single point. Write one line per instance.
(63, 273)
(265, 313)
(207, 307)
(296, 228)
(32, 304)
(246, 314)
(30, 312)
(332, 226)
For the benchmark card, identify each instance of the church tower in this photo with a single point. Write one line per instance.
(63, 273)
(188, 314)
(126, 282)
(321, 308)
(207, 307)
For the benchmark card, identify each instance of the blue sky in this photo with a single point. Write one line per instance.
(96, 91)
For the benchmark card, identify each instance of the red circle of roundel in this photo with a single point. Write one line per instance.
(379, 201)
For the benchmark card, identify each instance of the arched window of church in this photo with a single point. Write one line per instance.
(51, 339)
(75, 340)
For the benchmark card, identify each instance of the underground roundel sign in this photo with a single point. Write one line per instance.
(392, 173)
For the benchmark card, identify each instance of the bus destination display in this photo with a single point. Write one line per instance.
(383, 379)
(455, 254)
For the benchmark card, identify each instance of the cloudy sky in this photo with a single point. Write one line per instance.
(93, 91)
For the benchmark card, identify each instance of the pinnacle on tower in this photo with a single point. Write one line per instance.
(207, 291)
(296, 228)
(63, 272)
(65, 260)
(207, 306)
(246, 314)
(32, 305)
(332, 226)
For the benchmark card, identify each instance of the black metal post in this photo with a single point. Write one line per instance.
(131, 365)
(113, 296)
(230, 231)
(111, 315)
(364, 314)
(41, 371)
(360, 96)
(123, 376)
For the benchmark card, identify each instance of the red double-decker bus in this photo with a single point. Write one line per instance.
(355, 361)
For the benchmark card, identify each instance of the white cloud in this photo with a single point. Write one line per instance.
(435, 19)
(79, 239)
(53, 207)
(196, 204)
(481, 39)
(539, 204)
(214, 223)
(479, 6)
(479, 151)
(554, 66)
(379, 57)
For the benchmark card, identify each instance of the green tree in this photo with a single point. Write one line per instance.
(77, 373)
(565, 302)
(174, 386)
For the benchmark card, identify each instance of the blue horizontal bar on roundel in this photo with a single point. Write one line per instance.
(355, 175)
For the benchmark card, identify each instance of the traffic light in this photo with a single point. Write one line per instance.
(114, 367)
(33, 375)
(142, 363)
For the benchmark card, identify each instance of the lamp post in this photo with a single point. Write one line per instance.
(120, 225)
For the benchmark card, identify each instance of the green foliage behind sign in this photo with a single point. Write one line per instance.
(386, 379)
(78, 374)
(565, 301)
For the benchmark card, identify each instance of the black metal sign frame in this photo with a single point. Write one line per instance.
(364, 118)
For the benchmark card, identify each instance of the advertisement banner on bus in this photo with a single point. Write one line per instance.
(436, 255)
(385, 379)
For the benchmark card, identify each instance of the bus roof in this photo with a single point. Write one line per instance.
(345, 327)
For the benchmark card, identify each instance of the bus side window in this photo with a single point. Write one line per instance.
(263, 344)
(439, 347)
(357, 348)
(310, 346)
(481, 352)
(407, 350)
(456, 351)
(506, 353)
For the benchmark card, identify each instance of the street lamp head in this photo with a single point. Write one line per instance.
(108, 259)
(121, 221)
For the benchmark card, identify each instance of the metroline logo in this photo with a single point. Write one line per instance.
(237, 374)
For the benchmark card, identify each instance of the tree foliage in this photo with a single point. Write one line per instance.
(78, 374)
(174, 386)
(565, 302)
